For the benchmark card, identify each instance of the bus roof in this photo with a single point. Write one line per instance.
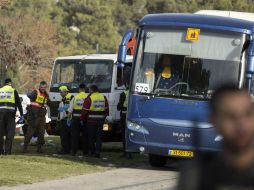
(95, 56)
(198, 21)
(232, 14)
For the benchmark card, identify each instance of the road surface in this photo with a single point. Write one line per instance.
(124, 178)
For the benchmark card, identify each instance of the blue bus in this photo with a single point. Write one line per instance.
(179, 61)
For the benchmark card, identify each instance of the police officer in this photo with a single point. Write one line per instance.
(77, 126)
(9, 102)
(65, 131)
(95, 110)
(36, 116)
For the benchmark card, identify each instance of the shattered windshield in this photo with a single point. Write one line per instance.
(73, 72)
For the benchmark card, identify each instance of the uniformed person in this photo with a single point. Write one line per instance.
(65, 130)
(78, 127)
(122, 107)
(36, 116)
(95, 110)
(9, 102)
(167, 76)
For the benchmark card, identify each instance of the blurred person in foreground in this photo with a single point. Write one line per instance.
(232, 114)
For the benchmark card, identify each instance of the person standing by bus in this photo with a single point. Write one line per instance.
(78, 127)
(94, 112)
(9, 102)
(65, 130)
(122, 107)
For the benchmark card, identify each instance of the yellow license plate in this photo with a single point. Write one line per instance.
(181, 153)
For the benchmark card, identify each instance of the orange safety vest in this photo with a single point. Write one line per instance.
(40, 100)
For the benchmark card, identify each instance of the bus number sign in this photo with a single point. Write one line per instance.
(142, 88)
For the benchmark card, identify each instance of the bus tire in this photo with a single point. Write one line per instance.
(157, 160)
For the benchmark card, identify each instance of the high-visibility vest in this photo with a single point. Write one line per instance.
(41, 99)
(78, 103)
(97, 108)
(125, 104)
(7, 97)
(67, 99)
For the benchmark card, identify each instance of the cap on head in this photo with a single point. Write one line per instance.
(7, 81)
(63, 89)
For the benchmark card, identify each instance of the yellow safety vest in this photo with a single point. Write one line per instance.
(79, 100)
(7, 97)
(41, 98)
(68, 98)
(97, 102)
(125, 104)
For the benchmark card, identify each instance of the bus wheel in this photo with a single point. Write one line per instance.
(157, 161)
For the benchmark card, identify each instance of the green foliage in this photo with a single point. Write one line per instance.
(104, 22)
(82, 24)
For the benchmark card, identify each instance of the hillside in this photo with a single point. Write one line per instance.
(34, 32)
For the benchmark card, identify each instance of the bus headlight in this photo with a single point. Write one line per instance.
(136, 127)
(218, 138)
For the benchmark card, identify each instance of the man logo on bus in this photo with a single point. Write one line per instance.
(181, 136)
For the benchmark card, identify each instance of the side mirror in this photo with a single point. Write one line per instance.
(122, 52)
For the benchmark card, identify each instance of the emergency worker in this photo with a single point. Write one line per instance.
(167, 76)
(77, 126)
(65, 130)
(36, 113)
(9, 102)
(122, 107)
(95, 110)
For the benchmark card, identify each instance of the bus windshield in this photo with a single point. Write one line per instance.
(73, 72)
(169, 65)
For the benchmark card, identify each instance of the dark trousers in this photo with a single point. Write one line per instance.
(95, 137)
(36, 124)
(65, 136)
(7, 128)
(123, 128)
(76, 131)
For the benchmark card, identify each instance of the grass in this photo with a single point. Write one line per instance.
(28, 168)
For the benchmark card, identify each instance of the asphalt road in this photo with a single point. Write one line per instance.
(124, 178)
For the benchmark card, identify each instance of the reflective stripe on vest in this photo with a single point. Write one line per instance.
(97, 108)
(97, 102)
(79, 101)
(7, 98)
